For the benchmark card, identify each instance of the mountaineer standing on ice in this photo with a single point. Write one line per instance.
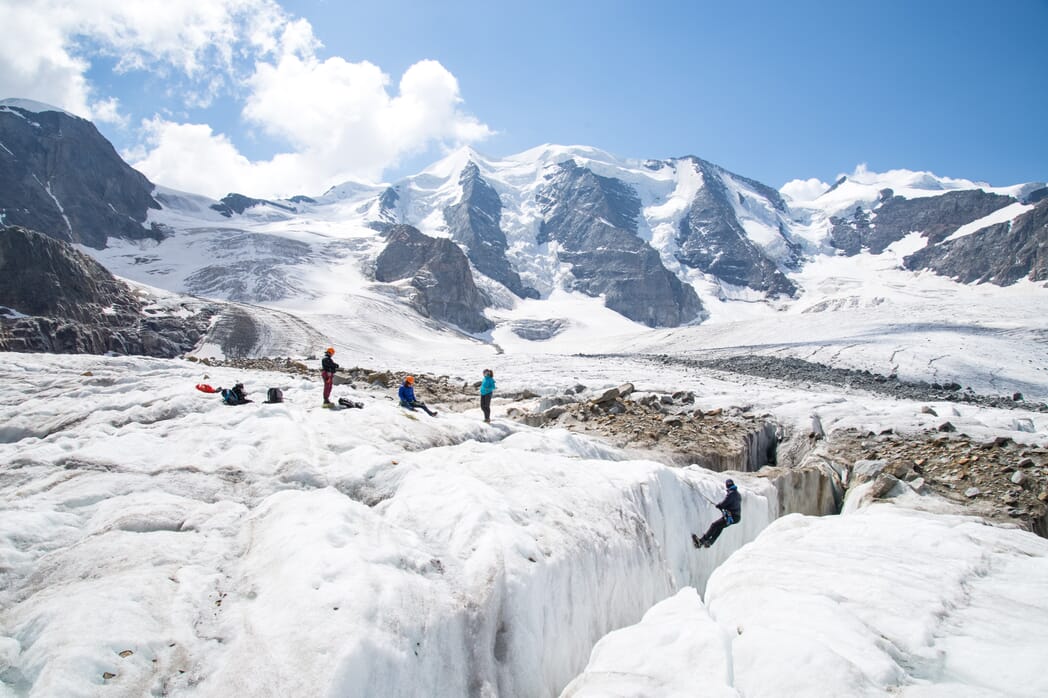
(327, 372)
(731, 513)
(487, 389)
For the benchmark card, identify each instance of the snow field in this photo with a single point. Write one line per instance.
(886, 599)
(287, 549)
(883, 600)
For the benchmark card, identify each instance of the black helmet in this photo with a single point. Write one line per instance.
(729, 483)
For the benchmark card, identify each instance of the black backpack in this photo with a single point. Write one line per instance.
(274, 395)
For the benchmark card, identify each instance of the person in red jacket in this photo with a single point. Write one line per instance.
(327, 372)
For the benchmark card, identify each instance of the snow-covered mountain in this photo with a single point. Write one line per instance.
(570, 248)
(661, 243)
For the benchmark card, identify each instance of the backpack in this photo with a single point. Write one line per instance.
(229, 397)
(274, 395)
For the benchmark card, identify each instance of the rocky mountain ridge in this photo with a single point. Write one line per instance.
(60, 176)
(651, 239)
(60, 300)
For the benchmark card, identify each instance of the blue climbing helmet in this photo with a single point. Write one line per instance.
(729, 484)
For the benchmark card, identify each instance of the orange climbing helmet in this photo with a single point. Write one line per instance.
(330, 350)
(409, 380)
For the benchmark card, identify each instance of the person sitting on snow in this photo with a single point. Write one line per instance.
(407, 397)
(235, 395)
(731, 513)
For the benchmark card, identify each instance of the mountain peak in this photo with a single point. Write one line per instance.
(32, 106)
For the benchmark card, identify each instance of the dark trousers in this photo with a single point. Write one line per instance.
(328, 380)
(485, 406)
(419, 405)
(714, 531)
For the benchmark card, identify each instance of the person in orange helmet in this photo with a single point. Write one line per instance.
(407, 397)
(327, 372)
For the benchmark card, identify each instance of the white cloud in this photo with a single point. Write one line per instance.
(338, 117)
(804, 189)
(34, 62)
(108, 111)
(338, 120)
(193, 158)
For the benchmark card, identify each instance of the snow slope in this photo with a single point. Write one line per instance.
(884, 600)
(149, 532)
(155, 540)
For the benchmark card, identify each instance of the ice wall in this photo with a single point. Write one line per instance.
(882, 601)
(476, 577)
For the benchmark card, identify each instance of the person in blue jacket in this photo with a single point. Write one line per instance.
(731, 514)
(487, 388)
(407, 397)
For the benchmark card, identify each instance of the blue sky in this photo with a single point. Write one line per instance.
(771, 90)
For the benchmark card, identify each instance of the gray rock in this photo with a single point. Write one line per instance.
(474, 222)
(238, 203)
(999, 254)
(712, 240)
(886, 485)
(594, 219)
(972, 492)
(439, 274)
(894, 217)
(864, 470)
(64, 179)
(70, 304)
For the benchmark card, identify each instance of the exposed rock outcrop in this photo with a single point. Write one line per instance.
(894, 217)
(1000, 479)
(474, 222)
(439, 275)
(667, 428)
(238, 203)
(594, 220)
(60, 300)
(60, 176)
(712, 240)
(999, 254)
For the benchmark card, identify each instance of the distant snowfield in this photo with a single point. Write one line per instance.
(155, 540)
